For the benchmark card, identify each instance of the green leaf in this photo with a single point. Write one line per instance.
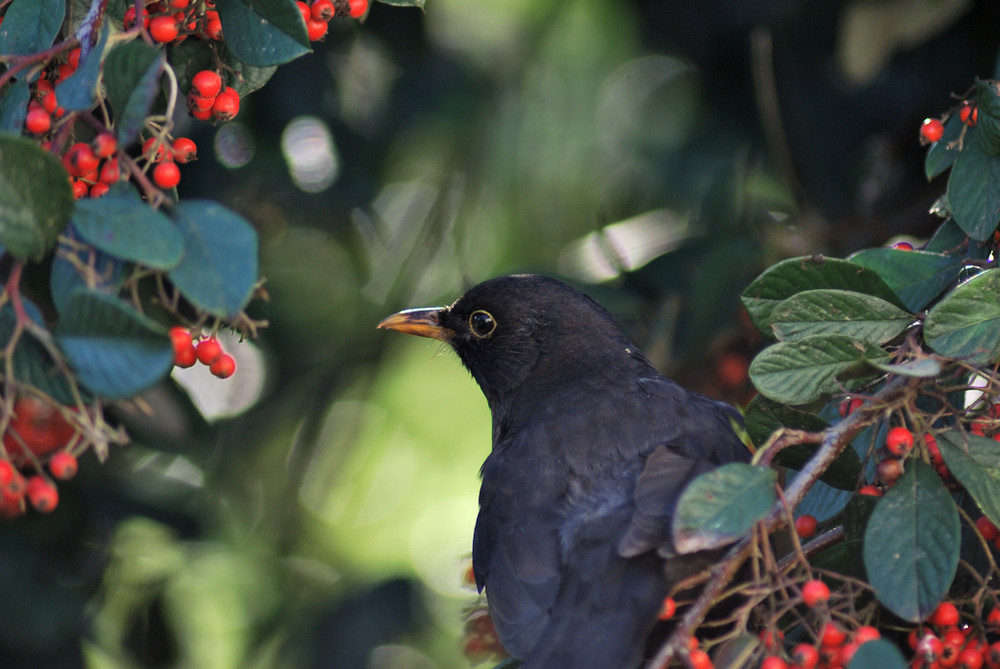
(30, 26)
(877, 654)
(78, 91)
(35, 198)
(263, 32)
(14, 106)
(131, 73)
(943, 152)
(974, 189)
(116, 351)
(827, 311)
(798, 372)
(948, 239)
(90, 268)
(404, 3)
(124, 226)
(763, 416)
(974, 461)
(966, 322)
(722, 505)
(219, 268)
(911, 543)
(191, 56)
(32, 363)
(917, 277)
(794, 275)
(923, 368)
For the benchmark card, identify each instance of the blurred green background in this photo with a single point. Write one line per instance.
(317, 509)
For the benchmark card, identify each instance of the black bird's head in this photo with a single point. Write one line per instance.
(523, 336)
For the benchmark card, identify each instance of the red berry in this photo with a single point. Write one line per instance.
(899, 441)
(99, 189)
(669, 608)
(163, 29)
(80, 159)
(223, 367)
(304, 10)
(992, 654)
(805, 526)
(167, 174)
(73, 58)
(993, 618)
(105, 144)
(206, 84)
(970, 658)
(151, 145)
(184, 150)
(184, 353)
(316, 29)
(700, 659)
(990, 532)
(933, 450)
(358, 8)
(773, 662)
(109, 172)
(42, 494)
(847, 652)
(38, 121)
(903, 246)
(179, 4)
(929, 648)
(198, 103)
(814, 592)
(226, 105)
(945, 615)
(213, 28)
(832, 635)
(969, 113)
(805, 655)
(931, 130)
(208, 350)
(201, 114)
(322, 10)
(79, 188)
(866, 633)
(63, 465)
(847, 407)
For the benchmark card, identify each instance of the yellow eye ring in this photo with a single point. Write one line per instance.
(482, 324)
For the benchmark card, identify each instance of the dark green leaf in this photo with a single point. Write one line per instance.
(795, 275)
(263, 32)
(89, 268)
(79, 90)
(942, 153)
(124, 226)
(219, 268)
(131, 73)
(824, 501)
(116, 351)
(32, 363)
(966, 322)
(802, 371)
(763, 417)
(250, 77)
(30, 26)
(191, 56)
(14, 106)
(948, 239)
(911, 543)
(35, 198)
(988, 127)
(877, 654)
(827, 311)
(974, 461)
(720, 506)
(974, 190)
(917, 277)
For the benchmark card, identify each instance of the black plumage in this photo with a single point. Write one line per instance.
(591, 449)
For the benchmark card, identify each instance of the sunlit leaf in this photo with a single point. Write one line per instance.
(911, 543)
(722, 505)
(798, 372)
(35, 198)
(826, 311)
(795, 275)
(966, 322)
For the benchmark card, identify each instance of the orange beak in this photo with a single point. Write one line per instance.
(423, 322)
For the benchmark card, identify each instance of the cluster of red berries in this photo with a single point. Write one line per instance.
(208, 99)
(932, 129)
(37, 433)
(318, 14)
(207, 351)
(164, 158)
(945, 643)
(833, 649)
(173, 21)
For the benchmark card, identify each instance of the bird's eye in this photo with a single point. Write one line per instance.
(482, 323)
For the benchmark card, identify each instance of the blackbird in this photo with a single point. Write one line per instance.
(591, 449)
